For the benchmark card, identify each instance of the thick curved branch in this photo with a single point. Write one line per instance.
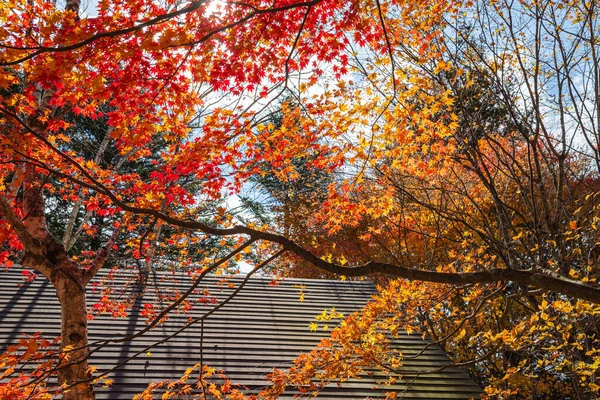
(34, 248)
(546, 281)
(32, 244)
(542, 280)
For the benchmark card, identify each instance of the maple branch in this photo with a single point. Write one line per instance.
(69, 238)
(541, 279)
(15, 183)
(454, 331)
(389, 48)
(154, 21)
(100, 259)
(34, 248)
(416, 374)
(31, 243)
(294, 45)
(145, 235)
(545, 280)
(193, 6)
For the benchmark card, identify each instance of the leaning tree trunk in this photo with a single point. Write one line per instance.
(46, 255)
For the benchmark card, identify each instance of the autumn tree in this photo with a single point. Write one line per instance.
(57, 81)
(501, 172)
(459, 142)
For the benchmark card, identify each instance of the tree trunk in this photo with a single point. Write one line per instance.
(46, 255)
(75, 375)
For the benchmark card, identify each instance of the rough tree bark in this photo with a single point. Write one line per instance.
(47, 256)
(71, 294)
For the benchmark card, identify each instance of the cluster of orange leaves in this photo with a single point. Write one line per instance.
(209, 382)
(25, 368)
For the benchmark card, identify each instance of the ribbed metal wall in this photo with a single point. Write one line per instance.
(262, 328)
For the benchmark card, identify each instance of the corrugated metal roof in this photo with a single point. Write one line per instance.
(262, 328)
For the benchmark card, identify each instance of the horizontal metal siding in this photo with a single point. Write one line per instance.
(264, 327)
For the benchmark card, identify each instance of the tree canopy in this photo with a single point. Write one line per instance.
(447, 149)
